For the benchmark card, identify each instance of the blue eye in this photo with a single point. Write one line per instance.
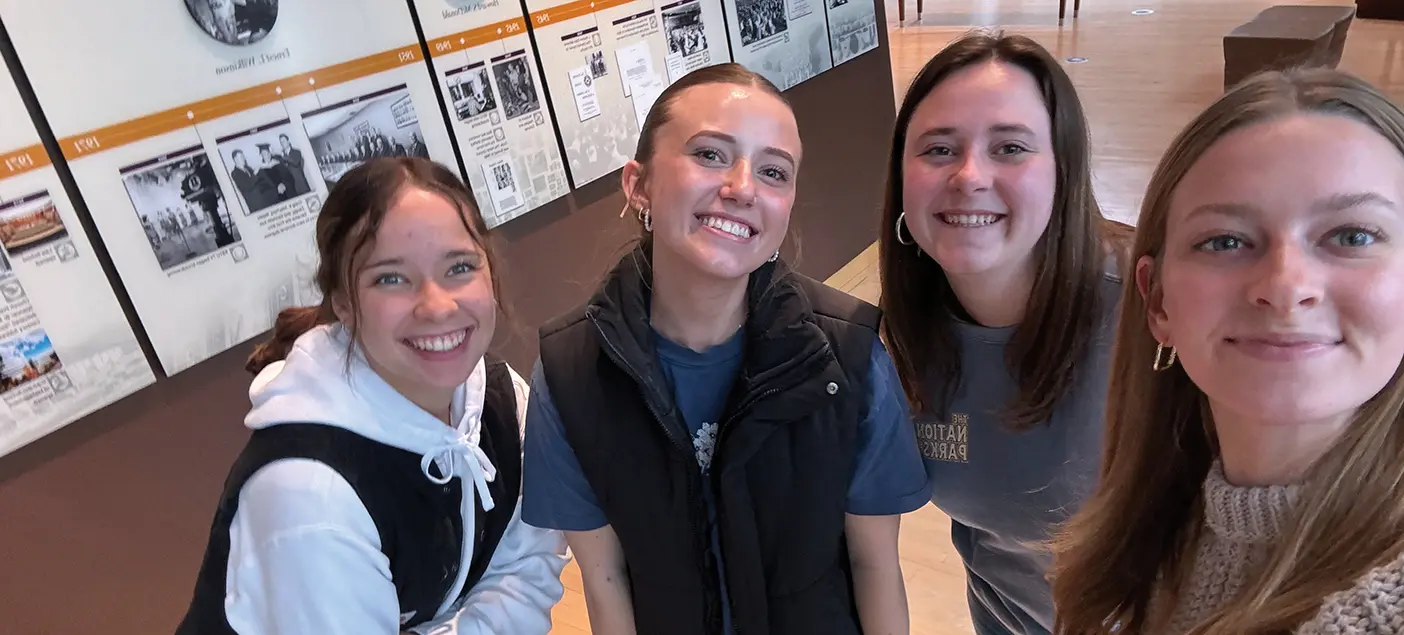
(461, 268)
(1221, 243)
(387, 279)
(775, 174)
(1355, 237)
(708, 154)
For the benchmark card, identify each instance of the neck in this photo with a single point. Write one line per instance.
(694, 310)
(996, 298)
(1260, 453)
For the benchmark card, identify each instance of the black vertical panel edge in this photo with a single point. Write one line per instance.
(75, 196)
(546, 90)
(438, 90)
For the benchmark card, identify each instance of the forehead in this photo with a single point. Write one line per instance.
(418, 220)
(1286, 164)
(748, 113)
(981, 95)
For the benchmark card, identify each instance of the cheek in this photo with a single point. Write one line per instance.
(1371, 303)
(380, 316)
(1194, 300)
(922, 188)
(1028, 190)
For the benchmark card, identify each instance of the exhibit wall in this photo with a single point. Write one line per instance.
(107, 505)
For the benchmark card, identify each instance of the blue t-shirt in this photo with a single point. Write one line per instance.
(889, 478)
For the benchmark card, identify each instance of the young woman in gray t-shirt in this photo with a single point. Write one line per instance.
(1000, 280)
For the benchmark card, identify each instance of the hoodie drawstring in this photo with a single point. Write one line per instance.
(464, 447)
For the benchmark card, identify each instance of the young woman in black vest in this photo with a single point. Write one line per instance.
(379, 490)
(723, 440)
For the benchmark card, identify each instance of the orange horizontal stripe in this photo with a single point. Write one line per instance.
(476, 37)
(159, 123)
(562, 12)
(23, 160)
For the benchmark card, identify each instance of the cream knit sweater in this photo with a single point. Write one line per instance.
(1241, 525)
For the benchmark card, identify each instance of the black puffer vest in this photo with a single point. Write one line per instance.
(420, 523)
(785, 454)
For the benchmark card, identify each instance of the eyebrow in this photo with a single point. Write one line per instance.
(1004, 128)
(722, 136)
(448, 255)
(1332, 204)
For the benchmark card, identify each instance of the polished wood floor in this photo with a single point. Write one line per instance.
(1143, 78)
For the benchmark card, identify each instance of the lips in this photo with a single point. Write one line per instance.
(728, 226)
(969, 219)
(1284, 347)
(440, 343)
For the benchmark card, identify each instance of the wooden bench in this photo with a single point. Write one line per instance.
(1285, 36)
(1379, 10)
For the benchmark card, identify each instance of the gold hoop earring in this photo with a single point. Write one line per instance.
(646, 219)
(1160, 364)
(898, 230)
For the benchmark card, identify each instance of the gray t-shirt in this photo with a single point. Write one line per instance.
(1005, 490)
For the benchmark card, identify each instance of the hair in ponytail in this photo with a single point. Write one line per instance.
(347, 225)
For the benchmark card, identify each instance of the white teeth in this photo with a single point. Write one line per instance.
(969, 220)
(440, 343)
(730, 227)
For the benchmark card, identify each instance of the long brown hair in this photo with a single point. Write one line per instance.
(1130, 546)
(346, 227)
(1063, 310)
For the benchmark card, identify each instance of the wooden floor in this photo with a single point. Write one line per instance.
(1144, 77)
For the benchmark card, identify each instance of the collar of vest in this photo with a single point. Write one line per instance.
(785, 348)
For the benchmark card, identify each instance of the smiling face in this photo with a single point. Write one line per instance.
(1281, 282)
(978, 172)
(721, 181)
(427, 311)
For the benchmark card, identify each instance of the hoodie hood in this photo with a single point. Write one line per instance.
(314, 385)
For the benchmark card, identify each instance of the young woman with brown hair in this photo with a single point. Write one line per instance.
(379, 491)
(1254, 472)
(1000, 280)
(722, 439)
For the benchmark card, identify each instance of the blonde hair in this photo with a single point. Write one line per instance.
(1131, 544)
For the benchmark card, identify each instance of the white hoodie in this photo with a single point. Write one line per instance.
(304, 553)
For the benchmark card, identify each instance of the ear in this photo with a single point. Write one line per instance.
(1147, 283)
(632, 180)
(341, 306)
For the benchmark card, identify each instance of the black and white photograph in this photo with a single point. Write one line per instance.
(597, 64)
(266, 165)
(760, 19)
(181, 207)
(25, 358)
(683, 27)
(471, 91)
(347, 134)
(834, 4)
(5, 267)
(502, 174)
(515, 85)
(234, 22)
(30, 222)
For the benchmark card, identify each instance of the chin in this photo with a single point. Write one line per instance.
(726, 266)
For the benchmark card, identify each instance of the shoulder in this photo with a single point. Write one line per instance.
(564, 322)
(295, 496)
(826, 302)
(1373, 606)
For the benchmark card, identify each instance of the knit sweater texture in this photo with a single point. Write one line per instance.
(1241, 525)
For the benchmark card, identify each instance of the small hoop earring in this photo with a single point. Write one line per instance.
(775, 256)
(1162, 362)
(646, 219)
(898, 230)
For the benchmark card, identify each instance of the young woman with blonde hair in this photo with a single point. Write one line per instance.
(1253, 473)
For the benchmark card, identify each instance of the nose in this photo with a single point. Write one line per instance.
(972, 175)
(1287, 280)
(435, 303)
(740, 186)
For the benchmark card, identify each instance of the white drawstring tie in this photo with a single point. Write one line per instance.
(464, 448)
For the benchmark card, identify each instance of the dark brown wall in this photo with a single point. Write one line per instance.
(102, 523)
